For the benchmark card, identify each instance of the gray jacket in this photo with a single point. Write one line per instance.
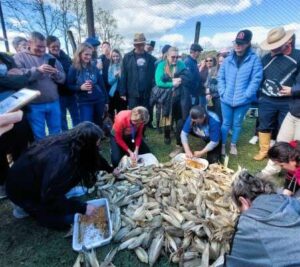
(267, 234)
(45, 83)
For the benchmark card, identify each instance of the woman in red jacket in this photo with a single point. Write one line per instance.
(287, 156)
(127, 134)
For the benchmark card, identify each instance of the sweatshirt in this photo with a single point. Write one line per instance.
(45, 83)
(267, 234)
(124, 127)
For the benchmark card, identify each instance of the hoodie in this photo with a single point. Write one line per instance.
(267, 234)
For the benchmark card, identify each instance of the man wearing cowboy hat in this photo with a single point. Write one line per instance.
(281, 69)
(137, 74)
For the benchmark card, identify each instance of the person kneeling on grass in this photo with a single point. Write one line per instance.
(287, 156)
(207, 126)
(40, 178)
(267, 232)
(127, 134)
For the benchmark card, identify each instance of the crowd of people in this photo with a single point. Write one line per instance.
(125, 95)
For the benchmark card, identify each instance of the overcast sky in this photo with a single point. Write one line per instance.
(173, 22)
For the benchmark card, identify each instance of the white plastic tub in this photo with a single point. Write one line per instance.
(182, 159)
(100, 241)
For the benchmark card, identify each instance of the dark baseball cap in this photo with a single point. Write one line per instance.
(196, 48)
(92, 41)
(243, 37)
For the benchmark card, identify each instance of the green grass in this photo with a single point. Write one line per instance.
(25, 243)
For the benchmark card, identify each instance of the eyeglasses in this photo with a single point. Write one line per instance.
(174, 57)
(208, 60)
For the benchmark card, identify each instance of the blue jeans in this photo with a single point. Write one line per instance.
(232, 119)
(68, 103)
(92, 112)
(39, 114)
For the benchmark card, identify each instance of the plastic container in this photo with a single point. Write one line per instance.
(181, 158)
(101, 241)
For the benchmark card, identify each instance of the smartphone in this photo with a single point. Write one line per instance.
(279, 86)
(51, 62)
(18, 100)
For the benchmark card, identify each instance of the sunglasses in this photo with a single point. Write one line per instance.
(208, 60)
(174, 57)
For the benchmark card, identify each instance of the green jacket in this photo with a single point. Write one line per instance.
(160, 72)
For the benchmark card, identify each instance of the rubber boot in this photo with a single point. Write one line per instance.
(264, 145)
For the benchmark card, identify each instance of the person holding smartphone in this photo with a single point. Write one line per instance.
(39, 180)
(44, 78)
(85, 79)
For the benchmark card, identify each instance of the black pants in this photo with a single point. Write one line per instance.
(116, 104)
(216, 108)
(117, 152)
(138, 101)
(13, 142)
(270, 111)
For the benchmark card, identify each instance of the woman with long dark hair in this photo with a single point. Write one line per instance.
(40, 178)
(287, 156)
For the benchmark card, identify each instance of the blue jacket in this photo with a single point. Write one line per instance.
(78, 77)
(192, 66)
(238, 85)
(267, 234)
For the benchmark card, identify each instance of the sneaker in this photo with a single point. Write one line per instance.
(233, 150)
(176, 151)
(253, 140)
(272, 142)
(223, 152)
(19, 213)
(2, 192)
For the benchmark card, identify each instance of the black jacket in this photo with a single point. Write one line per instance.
(66, 62)
(295, 101)
(130, 79)
(105, 62)
(38, 185)
(180, 94)
(279, 70)
(11, 83)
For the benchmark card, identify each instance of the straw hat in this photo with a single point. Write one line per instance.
(139, 38)
(276, 37)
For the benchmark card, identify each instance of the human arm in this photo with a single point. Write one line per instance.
(72, 81)
(221, 80)
(255, 79)
(103, 165)
(138, 139)
(8, 120)
(55, 185)
(123, 88)
(214, 136)
(184, 137)
(101, 84)
(13, 82)
(59, 76)
(33, 72)
(295, 91)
